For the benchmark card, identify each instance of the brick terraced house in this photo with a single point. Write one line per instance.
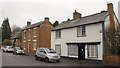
(36, 35)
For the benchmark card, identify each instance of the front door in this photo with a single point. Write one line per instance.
(28, 47)
(81, 51)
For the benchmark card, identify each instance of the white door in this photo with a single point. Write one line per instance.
(58, 49)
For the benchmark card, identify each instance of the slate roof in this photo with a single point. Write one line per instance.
(33, 25)
(95, 18)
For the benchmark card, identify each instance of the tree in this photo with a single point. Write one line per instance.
(16, 34)
(6, 30)
(56, 23)
(16, 29)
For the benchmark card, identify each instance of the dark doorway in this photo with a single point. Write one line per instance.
(81, 51)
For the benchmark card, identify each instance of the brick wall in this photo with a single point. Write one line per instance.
(110, 59)
(42, 37)
(45, 35)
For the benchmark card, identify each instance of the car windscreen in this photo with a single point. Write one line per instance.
(9, 47)
(18, 48)
(50, 50)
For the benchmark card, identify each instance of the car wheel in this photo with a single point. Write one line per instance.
(15, 53)
(3, 51)
(36, 58)
(46, 60)
(58, 60)
(7, 51)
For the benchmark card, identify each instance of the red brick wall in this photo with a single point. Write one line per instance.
(110, 59)
(43, 37)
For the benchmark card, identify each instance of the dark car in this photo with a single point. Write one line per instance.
(18, 50)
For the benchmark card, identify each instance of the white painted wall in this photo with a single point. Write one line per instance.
(70, 35)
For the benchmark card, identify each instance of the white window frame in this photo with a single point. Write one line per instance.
(73, 50)
(29, 33)
(81, 31)
(92, 51)
(59, 45)
(34, 46)
(24, 34)
(58, 34)
(35, 31)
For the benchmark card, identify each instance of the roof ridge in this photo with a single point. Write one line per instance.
(33, 25)
(93, 18)
(93, 14)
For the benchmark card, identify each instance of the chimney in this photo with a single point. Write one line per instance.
(110, 8)
(28, 23)
(111, 15)
(76, 15)
(111, 23)
(46, 19)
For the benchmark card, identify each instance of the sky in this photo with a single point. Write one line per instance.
(119, 10)
(20, 11)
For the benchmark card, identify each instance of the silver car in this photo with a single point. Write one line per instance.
(48, 54)
(18, 50)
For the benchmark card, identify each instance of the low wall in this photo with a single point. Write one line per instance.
(110, 59)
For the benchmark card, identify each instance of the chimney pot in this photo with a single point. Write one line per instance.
(46, 19)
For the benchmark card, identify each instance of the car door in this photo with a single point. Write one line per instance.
(38, 53)
(42, 53)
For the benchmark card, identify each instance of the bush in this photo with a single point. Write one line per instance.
(6, 42)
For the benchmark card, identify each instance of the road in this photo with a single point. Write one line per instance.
(8, 59)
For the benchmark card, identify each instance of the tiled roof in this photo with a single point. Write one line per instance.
(83, 20)
(33, 25)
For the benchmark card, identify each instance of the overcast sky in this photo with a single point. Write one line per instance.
(21, 11)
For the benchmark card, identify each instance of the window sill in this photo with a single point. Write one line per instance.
(58, 38)
(34, 49)
(92, 57)
(82, 36)
(34, 36)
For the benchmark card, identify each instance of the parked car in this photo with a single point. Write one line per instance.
(18, 50)
(8, 49)
(48, 54)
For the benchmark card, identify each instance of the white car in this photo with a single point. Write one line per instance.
(8, 49)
